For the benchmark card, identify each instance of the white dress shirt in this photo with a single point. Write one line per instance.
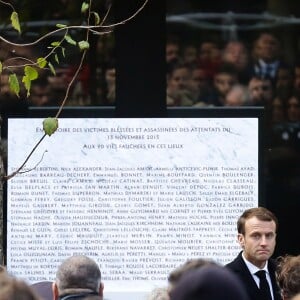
(253, 269)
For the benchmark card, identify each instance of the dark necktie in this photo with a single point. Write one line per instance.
(263, 285)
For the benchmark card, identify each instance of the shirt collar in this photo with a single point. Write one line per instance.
(252, 268)
(273, 64)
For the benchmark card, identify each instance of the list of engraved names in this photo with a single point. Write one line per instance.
(140, 222)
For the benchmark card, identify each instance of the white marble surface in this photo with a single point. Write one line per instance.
(176, 144)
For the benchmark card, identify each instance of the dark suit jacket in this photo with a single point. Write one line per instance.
(239, 267)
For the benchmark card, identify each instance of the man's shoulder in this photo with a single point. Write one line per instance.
(235, 262)
(237, 265)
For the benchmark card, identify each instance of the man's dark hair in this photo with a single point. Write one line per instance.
(227, 68)
(261, 213)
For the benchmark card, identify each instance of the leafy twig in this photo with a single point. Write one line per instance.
(89, 29)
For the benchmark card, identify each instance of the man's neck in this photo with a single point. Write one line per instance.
(252, 266)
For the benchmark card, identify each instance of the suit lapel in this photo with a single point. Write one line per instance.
(247, 278)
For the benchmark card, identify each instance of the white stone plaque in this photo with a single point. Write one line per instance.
(138, 195)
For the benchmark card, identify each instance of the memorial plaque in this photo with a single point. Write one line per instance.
(138, 195)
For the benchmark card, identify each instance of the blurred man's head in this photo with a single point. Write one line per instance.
(293, 109)
(78, 275)
(288, 276)
(14, 289)
(209, 283)
(224, 79)
(236, 54)
(172, 50)
(178, 78)
(260, 90)
(237, 96)
(267, 47)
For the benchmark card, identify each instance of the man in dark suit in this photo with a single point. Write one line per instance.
(257, 237)
(267, 55)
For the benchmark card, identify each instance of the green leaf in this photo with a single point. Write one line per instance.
(42, 62)
(97, 18)
(27, 83)
(50, 125)
(15, 21)
(83, 45)
(61, 25)
(84, 7)
(55, 44)
(56, 58)
(31, 72)
(63, 51)
(14, 84)
(70, 40)
(51, 68)
(1, 67)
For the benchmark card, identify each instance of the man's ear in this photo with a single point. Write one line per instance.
(241, 240)
(54, 291)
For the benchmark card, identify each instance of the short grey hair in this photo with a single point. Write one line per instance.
(159, 293)
(78, 273)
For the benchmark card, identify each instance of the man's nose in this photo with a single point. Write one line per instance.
(263, 240)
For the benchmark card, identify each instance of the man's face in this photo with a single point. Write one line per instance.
(190, 54)
(110, 76)
(198, 80)
(284, 78)
(236, 54)
(223, 82)
(172, 52)
(178, 80)
(258, 242)
(277, 110)
(267, 47)
(293, 109)
(260, 90)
